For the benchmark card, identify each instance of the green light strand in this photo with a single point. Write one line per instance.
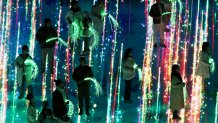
(216, 110)
(115, 23)
(97, 86)
(75, 34)
(35, 67)
(95, 37)
(59, 39)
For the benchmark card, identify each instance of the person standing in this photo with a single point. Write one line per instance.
(128, 72)
(156, 12)
(31, 110)
(59, 99)
(74, 19)
(43, 35)
(86, 34)
(203, 69)
(98, 12)
(80, 73)
(42, 114)
(176, 93)
(24, 72)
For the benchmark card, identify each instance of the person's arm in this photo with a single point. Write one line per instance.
(54, 32)
(152, 12)
(57, 100)
(31, 115)
(68, 18)
(204, 58)
(176, 83)
(75, 76)
(17, 64)
(90, 73)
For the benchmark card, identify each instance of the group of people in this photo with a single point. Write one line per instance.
(83, 21)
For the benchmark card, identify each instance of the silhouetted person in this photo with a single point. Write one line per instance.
(45, 33)
(74, 19)
(31, 109)
(24, 71)
(128, 72)
(86, 33)
(80, 73)
(176, 93)
(42, 114)
(98, 16)
(167, 16)
(203, 68)
(49, 117)
(156, 12)
(59, 99)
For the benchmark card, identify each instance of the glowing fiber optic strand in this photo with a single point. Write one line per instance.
(55, 62)
(216, 110)
(146, 71)
(116, 105)
(101, 66)
(74, 35)
(4, 58)
(95, 37)
(195, 103)
(111, 73)
(27, 8)
(71, 109)
(15, 77)
(97, 86)
(44, 86)
(34, 66)
(17, 11)
(206, 22)
(114, 21)
(4, 89)
(57, 38)
(33, 28)
(158, 94)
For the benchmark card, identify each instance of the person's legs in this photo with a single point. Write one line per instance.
(161, 31)
(127, 93)
(51, 59)
(86, 44)
(78, 47)
(22, 88)
(44, 54)
(87, 99)
(175, 114)
(80, 98)
(30, 89)
(155, 34)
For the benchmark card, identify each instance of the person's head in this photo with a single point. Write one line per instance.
(25, 49)
(82, 61)
(48, 112)
(100, 2)
(205, 47)
(86, 14)
(47, 22)
(128, 53)
(45, 104)
(30, 97)
(175, 68)
(59, 83)
(74, 6)
(158, 1)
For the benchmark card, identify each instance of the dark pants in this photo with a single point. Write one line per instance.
(175, 114)
(83, 92)
(22, 87)
(127, 92)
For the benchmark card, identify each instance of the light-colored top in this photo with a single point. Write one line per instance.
(128, 68)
